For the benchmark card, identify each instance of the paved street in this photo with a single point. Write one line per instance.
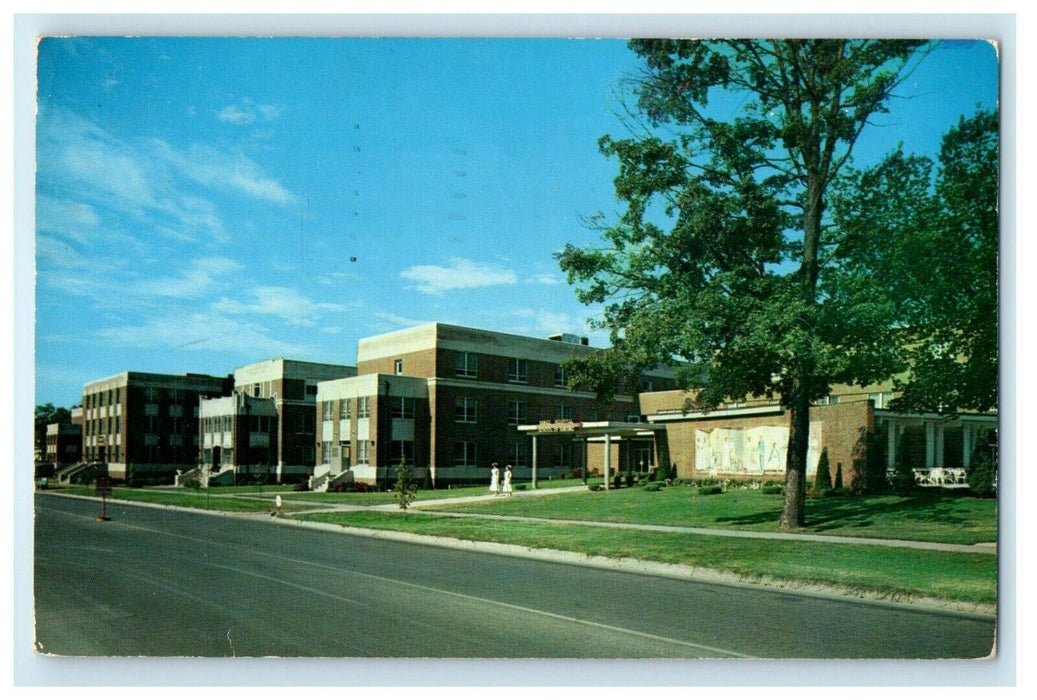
(167, 582)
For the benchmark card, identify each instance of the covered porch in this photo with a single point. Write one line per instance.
(939, 448)
(606, 433)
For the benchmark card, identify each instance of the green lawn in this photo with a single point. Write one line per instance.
(886, 571)
(932, 516)
(185, 497)
(374, 498)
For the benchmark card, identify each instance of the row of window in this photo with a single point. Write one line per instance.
(103, 426)
(256, 424)
(103, 398)
(466, 364)
(399, 407)
(466, 455)
(466, 410)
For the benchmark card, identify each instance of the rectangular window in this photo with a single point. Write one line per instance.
(517, 371)
(881, 399)
(563, 412)
(325, 453)
(397, 367)
(464, 454)
(561, 378)
(402, 451)
(363, 409)
(519, 454)
(257, 390)
(563, 456)
(516, 412)
(466, 364)
(465, 410)
(345, 407)
(403, 407)
(328, 408)
(363, 448)
(311, 390)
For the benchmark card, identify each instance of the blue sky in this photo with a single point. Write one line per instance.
(200, 202)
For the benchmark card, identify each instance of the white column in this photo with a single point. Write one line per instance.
(534, 460)
(968, 437)
(930, 439)
(608, 460)
(891, 444)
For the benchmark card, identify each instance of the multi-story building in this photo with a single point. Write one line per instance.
(452, 399)
(144, 425)
(64, 444)
(268, 425)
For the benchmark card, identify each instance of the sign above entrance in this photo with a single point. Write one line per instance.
(562, 426)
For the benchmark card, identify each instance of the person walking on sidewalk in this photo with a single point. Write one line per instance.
(507, 480)
(495, 479)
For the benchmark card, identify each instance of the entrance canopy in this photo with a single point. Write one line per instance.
(590, 430)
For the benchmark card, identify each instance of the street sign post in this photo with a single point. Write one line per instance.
(104, 489)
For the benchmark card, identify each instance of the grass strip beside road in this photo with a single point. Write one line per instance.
(926, 517)
(186, 498)
(887, 572)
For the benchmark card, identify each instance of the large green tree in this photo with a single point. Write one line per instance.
(927, 234)
(720, 256)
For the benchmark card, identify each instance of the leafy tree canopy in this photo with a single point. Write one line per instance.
(927, 234)
(722, 254)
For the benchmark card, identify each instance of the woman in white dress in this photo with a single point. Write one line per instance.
(507, 480)
(495, 480)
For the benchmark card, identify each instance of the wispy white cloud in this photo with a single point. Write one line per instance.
(543, 278)
(246, 112)
(285, 303)
(461, 274)
(66, 218)
(196, 331)
(216, 168)
(157, 186)
(197, 279)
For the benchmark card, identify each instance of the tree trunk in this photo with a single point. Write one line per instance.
(793, 512)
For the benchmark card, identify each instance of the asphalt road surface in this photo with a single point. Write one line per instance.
(162, 582)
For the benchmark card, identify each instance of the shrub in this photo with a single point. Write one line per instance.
(710, 490)
(772, 488)
(520, 487)
(836, 492)
(405, 486)
(838, 476)
(903, 480)
(823, 477)
(981, 476)
(652, 486)
(594, 487)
